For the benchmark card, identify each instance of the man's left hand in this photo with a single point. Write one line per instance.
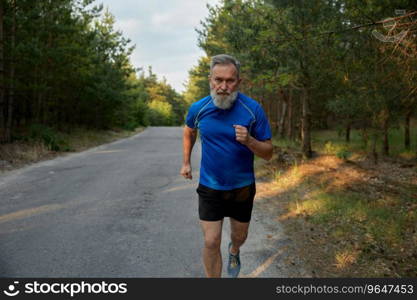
(242, 134)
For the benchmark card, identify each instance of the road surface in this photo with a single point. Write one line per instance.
(119, 210)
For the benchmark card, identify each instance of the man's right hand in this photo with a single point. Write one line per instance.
(186, 171)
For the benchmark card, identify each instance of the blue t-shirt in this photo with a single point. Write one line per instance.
(225, 163)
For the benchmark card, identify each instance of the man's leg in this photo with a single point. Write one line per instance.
(239, 233)
(212, 257)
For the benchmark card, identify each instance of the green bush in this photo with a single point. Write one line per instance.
(343, 154)
(160, 113)
(130, 125)
(51, 139)
(341, 151)
(330, 148)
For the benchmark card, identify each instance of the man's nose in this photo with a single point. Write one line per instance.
(223, 85)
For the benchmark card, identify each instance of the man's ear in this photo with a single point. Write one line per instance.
(239, 80)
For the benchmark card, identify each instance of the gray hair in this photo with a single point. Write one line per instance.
(224, 59)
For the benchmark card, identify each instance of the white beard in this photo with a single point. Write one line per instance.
(223, 101)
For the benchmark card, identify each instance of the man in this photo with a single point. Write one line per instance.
(233, 127)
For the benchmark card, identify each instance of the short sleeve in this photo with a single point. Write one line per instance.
(261, 129)
(191, 115)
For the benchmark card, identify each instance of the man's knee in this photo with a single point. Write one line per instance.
(212, 243)
(239, 237)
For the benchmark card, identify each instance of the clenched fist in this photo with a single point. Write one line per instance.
(242, 134)
(186, 171)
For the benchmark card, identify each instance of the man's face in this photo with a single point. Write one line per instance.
(224, 84)
(224, 79)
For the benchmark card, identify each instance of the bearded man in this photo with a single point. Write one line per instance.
(233, 128)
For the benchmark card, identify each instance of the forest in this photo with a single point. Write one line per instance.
(64, 66)
(325, 64)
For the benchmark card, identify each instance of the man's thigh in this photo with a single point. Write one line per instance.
(212, 230)
(239, 228)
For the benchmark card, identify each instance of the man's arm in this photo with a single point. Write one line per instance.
(262, 149)
(188, 141)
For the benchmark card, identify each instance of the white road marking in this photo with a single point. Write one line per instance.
(265, 265)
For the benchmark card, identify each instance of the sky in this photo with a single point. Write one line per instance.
(163, 32)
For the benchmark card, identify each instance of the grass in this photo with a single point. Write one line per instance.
(331, 142)
(346, 218)
(81, 139)
(25, 150)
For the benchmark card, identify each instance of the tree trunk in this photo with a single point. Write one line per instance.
(365, 138)
(290, 124)
(305, 125)
(8, 133)
(271, 110)
(348, 127)
(407, 141)
(2, 87)
(385, 146)
(276, 112)
(374, 152)
(283, 114)
(282, 119)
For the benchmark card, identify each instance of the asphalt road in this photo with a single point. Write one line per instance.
(119, 210)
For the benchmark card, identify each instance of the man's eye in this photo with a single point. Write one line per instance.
(218, 80)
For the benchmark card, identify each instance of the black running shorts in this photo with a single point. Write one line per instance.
(214, 205)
